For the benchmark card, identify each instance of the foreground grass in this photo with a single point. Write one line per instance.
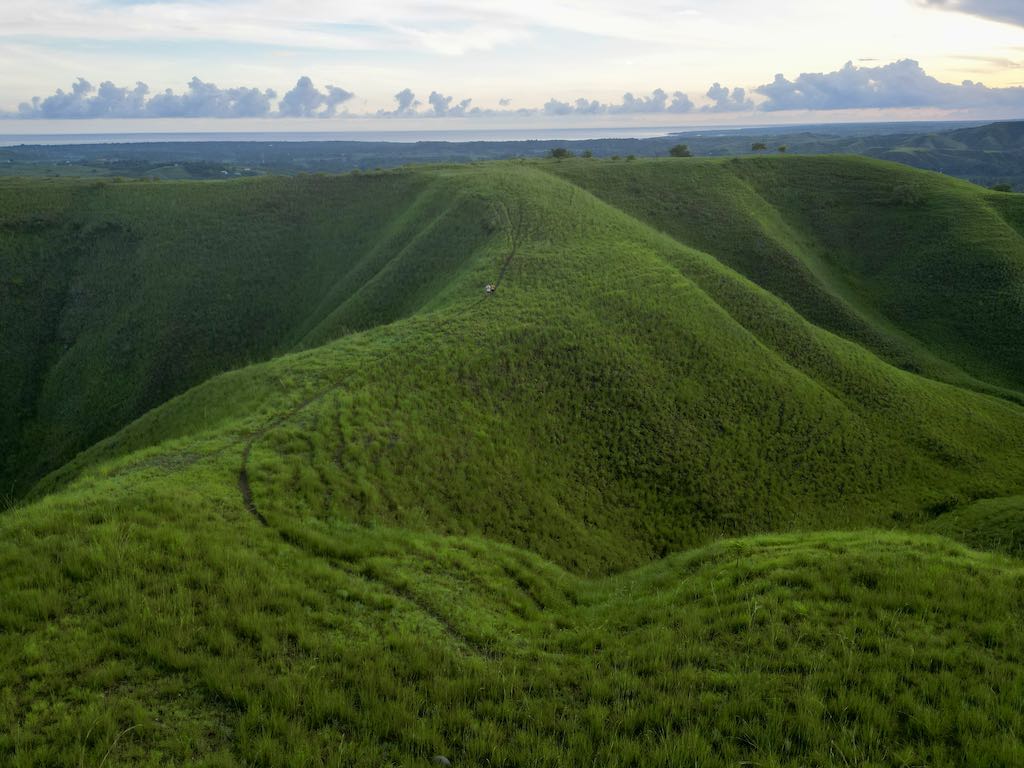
(177, 629)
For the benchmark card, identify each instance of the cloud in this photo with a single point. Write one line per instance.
(442, 106)
(207, 100)
(1007, 11)
(306, 100)
(199, 99)
(902, 84)
(899, 85)
(406, 105)
(84, 101)
(657, 103)
(725, 100)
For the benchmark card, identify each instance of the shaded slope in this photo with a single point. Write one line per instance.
(994, 525)
(118, 296)
(924, 271)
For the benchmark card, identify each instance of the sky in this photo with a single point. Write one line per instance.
(330, 64)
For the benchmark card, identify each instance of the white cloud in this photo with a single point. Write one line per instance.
(902, 84)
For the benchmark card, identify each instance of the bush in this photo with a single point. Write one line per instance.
(560, 153)
(1002, 188)
(680, 150)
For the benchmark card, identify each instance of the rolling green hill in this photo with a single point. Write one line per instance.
(504, 529)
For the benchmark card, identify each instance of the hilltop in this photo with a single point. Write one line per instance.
(626, 510)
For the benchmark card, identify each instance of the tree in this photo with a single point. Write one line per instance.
(783, 149)
(587, 154)
(758, 147)
(680, 150)
(560, 153)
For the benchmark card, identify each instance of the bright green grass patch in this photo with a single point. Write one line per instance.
(205, 638)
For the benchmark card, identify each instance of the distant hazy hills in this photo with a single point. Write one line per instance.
(986, 155)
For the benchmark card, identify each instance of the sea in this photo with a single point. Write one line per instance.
(406, 136)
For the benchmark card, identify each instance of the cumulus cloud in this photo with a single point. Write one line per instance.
(724, 100)
(902, 84)
(306, 100)
(207, 100)
(85, 101)
(199, 99)
(899, 85)
(659, 102)
(1008, 11)
(405, 105)
(442, 106)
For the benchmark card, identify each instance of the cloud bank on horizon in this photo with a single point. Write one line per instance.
(902, 84)
(502, 59)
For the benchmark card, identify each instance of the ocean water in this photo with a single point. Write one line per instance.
(406, 136)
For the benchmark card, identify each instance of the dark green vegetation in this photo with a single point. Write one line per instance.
(504, 529)
(988, 155)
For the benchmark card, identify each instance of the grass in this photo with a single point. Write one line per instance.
(898, 260)
(996, 525)
(634, 509)
(224, 644)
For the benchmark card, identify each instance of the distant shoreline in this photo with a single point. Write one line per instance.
(412, 136)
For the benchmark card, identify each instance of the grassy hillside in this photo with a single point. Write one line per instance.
(925, 271)
(115, 297)
(504, 529)
(672, 392)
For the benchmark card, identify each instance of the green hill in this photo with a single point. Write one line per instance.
(434, 522)
(926, 272)
(115, 297)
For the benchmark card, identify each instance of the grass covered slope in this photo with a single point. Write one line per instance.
(116, 296)
(926, 271)
(459, 530)
(621, 397)
(174, 628)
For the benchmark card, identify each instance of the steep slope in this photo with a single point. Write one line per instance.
(925, 271)
(457, 531)
(115, 297)
(622, 396)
